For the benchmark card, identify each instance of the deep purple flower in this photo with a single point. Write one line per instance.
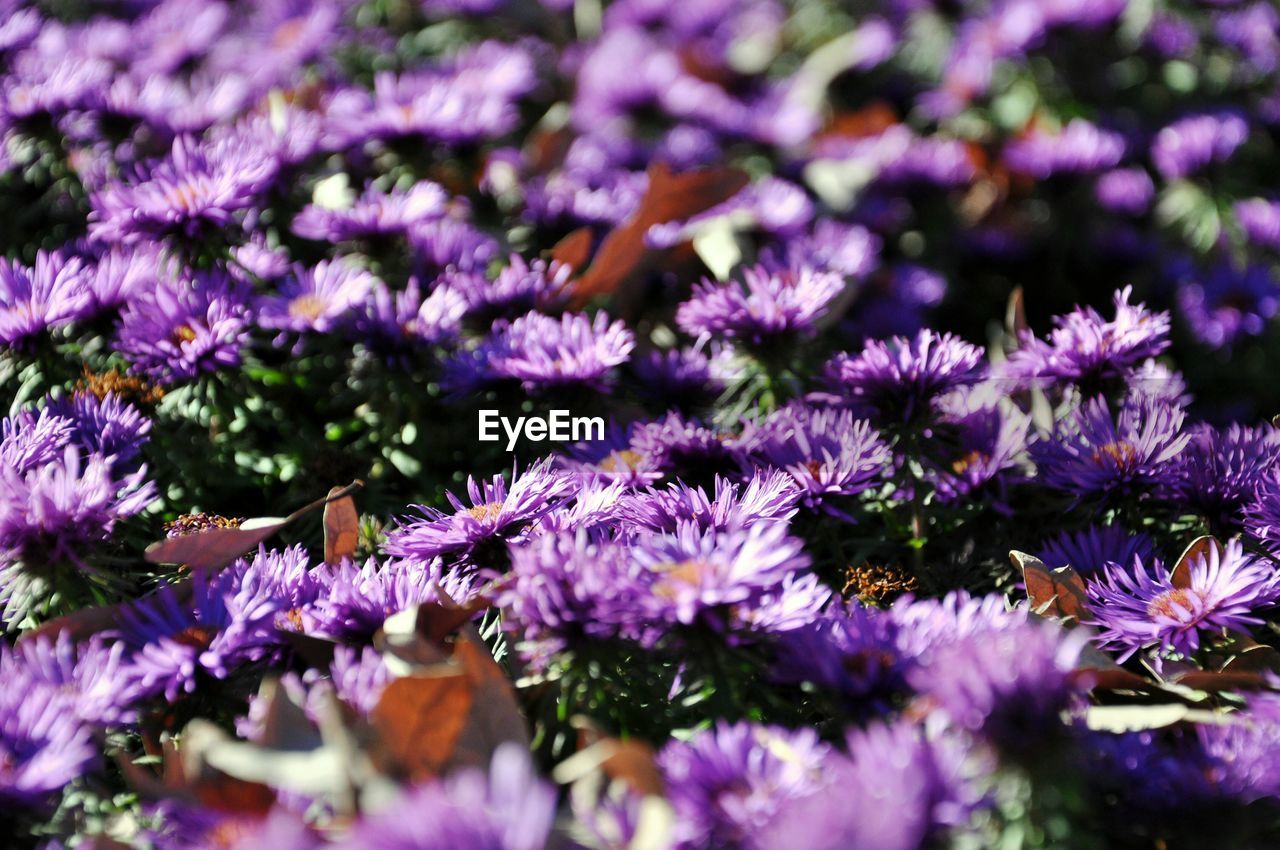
(1089, 550)
(1084, 348)
(170, 640)
(108, 426)
(681, 447)
(375, 213)
(1242, 754)
(509, 808)
(357, 600)
(679, 377)
(544, 353)
(53, 293)
(497, 510)
(518, 288)
(450, 244)
(1079, 147)
(1260, 220)
(923, 624)
(49, 512)
(317, 299)
(90, 674)
(1262, 515)
(727, 783)
(199, 188)
(898, 380)
(44, 745)
(1221, 468)
(766, 497)
(765, 306)
(471, 98)
(901, 787)
(396, 323)
(827, 452)
(184, 327)
(977, 441)
(1227, 304)
(1098, 455)
(124, 274)
(1137, 609)
(850, 649)
(831, 246)
(359, 677)
(1128, 191)
(1190, 143)
(1009, 684)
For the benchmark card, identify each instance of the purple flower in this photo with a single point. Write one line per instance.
(108, 426)
(519, 288)
(199, 188)
(899, 380)
(1089, 550)
(832, 246)
(976, 442)
(1227, 304)
(448, 244)
(1221, 469)
(184, 327)
(680, 447)
(1080, 147)
(469, 99)
(898, 158)
(509, 808)
(826, 452)
(727, 783)
(170, 641)
(923, 624)
(1137, 609)
(1127, 191)
(1098, 455)
(53, 293)
(124, 274)
(92, 675)
(1084, 348)
(1260, 220)
(764, 307)
(680, 377)
(1242, 755)
(359, 677)
(44, 745)
(544, 353)
(317, 299)
(48, 512)
(900, 788)
(766, 497)
(1009, 684)
(375, 213)
(851, 649)
(357, 600)
(1262, 515)
(1190, 143)
(496, 511)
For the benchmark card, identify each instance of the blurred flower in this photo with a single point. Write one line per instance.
(53, 293)
(1127, 191)
(1190, 143)
(375, 213)
(1089, 550)
(317, 299)
(764, 307)
(1078, 147)
(1227, 304)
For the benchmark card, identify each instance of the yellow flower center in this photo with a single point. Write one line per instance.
(1122, 453)
(1163, 605)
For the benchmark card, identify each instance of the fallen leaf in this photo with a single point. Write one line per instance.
(1198, 550)
(419, 720)
(341, 527)
(1057, 593)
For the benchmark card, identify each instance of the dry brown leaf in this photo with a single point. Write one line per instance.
(341, 527)
(1057, 593)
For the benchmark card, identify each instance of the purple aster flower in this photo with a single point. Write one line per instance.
(448, 244)
(357, 601)
(1009, 684)
(1084, 348)
(1227, 304)
(723, 578)
(1254, 30)
(899, 380)
(1242, 754)
(44, 745)
(727, 783)
(1127, 191)
(33, 438)
(375, 213)
(276, 38)
(923, 624)
(1098, 455)
(49, 512)
(832, 246)
(850, 649)
(53, 293)
(544, 353)
(1260, 220)
(91, 674)
(681, 377)
(680, 447)
(199, 188)
(765, 307)
(124, 274)
(496, 512)
(170, 641)
(506, 808)
(185, 327)
(976, 442)
(1221, 468)
(772, 205)
(1155, 773)
(519, 288)
(570, 588)
(469, 99)
(108, 426)
(1137, 609)
(1262, 515)
(1089, 550)
(1190, 143)
(769, 496)
(827, 452)
(41, 89)
(359, 677)
(1079, 147)
(317, 299)
(900, 788)
(278, 579)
